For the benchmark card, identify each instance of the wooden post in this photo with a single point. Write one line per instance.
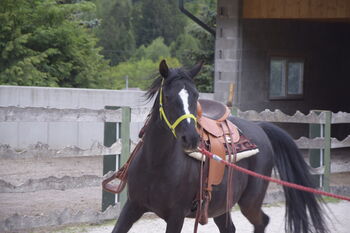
(125, 136)
(109, 161)
(231, 94)
(230, 100)
(327, 150)
(321, 157)
(315, 154)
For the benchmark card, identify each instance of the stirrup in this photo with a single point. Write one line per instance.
(203, 217)
(116, 175)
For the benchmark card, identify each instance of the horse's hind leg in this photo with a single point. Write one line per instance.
(225, 224)
(251, 202)
(128, 216)
(255, 215)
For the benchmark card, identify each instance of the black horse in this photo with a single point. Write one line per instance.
(164, 180)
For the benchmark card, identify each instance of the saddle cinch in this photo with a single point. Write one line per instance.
(218, 134)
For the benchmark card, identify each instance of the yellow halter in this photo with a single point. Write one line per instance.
(163, 116)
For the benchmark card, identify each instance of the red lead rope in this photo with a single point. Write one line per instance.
(281, 182)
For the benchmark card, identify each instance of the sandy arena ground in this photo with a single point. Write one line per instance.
(339, 222)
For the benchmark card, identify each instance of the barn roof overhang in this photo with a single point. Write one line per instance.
(315, 10)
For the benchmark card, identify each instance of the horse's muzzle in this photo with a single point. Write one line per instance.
(190, 141)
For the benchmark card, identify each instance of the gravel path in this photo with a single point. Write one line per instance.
(338, 213)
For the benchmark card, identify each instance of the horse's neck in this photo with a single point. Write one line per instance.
(160, 145)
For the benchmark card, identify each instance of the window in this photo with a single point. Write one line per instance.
(286, 77)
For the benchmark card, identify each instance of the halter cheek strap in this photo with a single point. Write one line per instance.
(163, 116)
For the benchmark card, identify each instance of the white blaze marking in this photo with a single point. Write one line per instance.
(184, 97)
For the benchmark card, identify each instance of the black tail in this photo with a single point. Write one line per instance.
(292, 168)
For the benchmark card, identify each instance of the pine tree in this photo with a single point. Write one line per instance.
(44, 43)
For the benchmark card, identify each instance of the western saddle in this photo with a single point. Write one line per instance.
(218, 135)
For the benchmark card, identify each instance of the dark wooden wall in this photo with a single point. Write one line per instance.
(297, 9)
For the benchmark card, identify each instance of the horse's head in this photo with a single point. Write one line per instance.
(177, 101)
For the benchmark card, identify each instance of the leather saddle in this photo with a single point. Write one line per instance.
(216, 132)
(212, 109)
(223, 138)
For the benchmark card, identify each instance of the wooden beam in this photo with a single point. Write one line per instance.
(342, 6)
(291, 8)
(305, 8)
(251, 8)
(296, 9)
(331, 9)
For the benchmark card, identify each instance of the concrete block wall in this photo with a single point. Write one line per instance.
(227, 48)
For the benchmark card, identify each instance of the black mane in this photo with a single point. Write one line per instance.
(153, 90)
(174, 74)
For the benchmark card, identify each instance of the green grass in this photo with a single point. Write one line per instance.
(330, 199)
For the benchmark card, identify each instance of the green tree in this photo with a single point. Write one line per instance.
(116, 30)
(153, 51)
(206, 51)
(138, 72)
(182, 46)
(157, 18)
(44, 43)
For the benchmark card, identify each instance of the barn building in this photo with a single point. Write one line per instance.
(291, 55)
(284, 54)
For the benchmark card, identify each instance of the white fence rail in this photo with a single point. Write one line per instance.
(42, 150)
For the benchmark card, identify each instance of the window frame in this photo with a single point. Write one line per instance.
(286, 60)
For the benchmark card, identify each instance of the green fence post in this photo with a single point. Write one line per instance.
(234, 111)
(315, 154)
(109, 161)
(322, 157)
(125, 136)
(327, 150)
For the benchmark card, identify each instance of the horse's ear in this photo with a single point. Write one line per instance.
(195, 69)
(163, 69)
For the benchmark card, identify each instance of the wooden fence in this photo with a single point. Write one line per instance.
(319, 141)
(112, 116)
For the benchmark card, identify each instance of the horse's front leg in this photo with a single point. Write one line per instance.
(128, 216)
(174, 223)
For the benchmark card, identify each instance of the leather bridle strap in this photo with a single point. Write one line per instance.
(163, 116)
